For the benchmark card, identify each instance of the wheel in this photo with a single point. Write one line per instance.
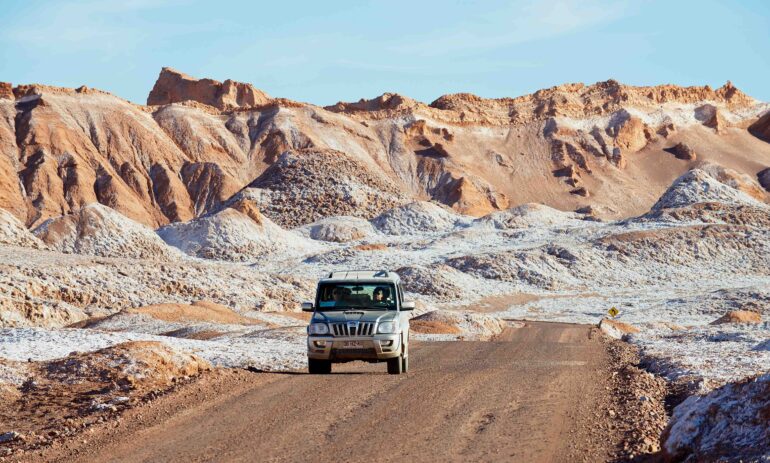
(395, 366)
(319, 367)
(405, 360)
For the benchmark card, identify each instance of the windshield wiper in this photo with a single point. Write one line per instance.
(356, 307)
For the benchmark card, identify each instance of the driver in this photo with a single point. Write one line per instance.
(381, 294)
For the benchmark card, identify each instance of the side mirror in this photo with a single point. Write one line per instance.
(407, 305)
(307, 306)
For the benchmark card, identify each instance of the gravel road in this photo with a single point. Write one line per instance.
(530, 395)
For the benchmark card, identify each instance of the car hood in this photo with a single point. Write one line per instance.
(355, 315)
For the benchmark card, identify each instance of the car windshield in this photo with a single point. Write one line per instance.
(343, 296)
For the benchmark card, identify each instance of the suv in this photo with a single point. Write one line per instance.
(358, 315)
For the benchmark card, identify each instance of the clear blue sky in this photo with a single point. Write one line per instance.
(323, 51)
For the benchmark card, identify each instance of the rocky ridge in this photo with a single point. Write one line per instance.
(200, 141)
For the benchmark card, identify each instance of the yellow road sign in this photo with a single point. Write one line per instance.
(613, 312)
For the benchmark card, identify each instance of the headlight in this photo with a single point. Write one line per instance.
(387, 328)
(318, 328)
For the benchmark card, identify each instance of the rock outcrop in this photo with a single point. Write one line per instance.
(582, 101)
(98, 230)
(761, 127)
(683, 151)
(173, 87)
(764, 178)
(6, 91)
(384, 105)
(711, 117)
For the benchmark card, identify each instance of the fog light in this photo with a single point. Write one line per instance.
(387, 343)
(320, 343)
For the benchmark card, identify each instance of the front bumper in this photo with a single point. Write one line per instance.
(373, 348)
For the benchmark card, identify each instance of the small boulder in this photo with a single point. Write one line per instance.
(764, 178)
(683, 151)
(738, 316)
(580, 192)
(9, 437)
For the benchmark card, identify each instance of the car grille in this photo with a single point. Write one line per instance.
(353, 329)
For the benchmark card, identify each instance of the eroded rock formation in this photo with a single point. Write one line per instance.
(174, 87)
(201, 141)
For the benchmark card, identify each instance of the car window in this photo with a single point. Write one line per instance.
(341, 296)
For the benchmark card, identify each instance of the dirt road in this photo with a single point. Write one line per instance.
(532, 395)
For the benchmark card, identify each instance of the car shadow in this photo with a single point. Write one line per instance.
(302, 372)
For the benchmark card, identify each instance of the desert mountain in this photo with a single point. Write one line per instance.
(200, 144)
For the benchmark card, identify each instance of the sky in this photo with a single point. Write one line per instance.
(323, 52)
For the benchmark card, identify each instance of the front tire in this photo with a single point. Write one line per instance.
(319, 367)
(405, 364)
(395, 366)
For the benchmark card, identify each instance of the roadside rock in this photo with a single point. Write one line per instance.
(9, 437)
(616, 329)
(63, 397)
(731, 423)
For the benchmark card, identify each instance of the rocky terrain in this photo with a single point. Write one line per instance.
(187, 232)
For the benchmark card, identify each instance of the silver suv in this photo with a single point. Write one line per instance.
(358, 315)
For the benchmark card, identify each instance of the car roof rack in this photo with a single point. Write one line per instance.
(375, 273)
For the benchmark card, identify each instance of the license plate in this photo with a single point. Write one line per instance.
(352, 345)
